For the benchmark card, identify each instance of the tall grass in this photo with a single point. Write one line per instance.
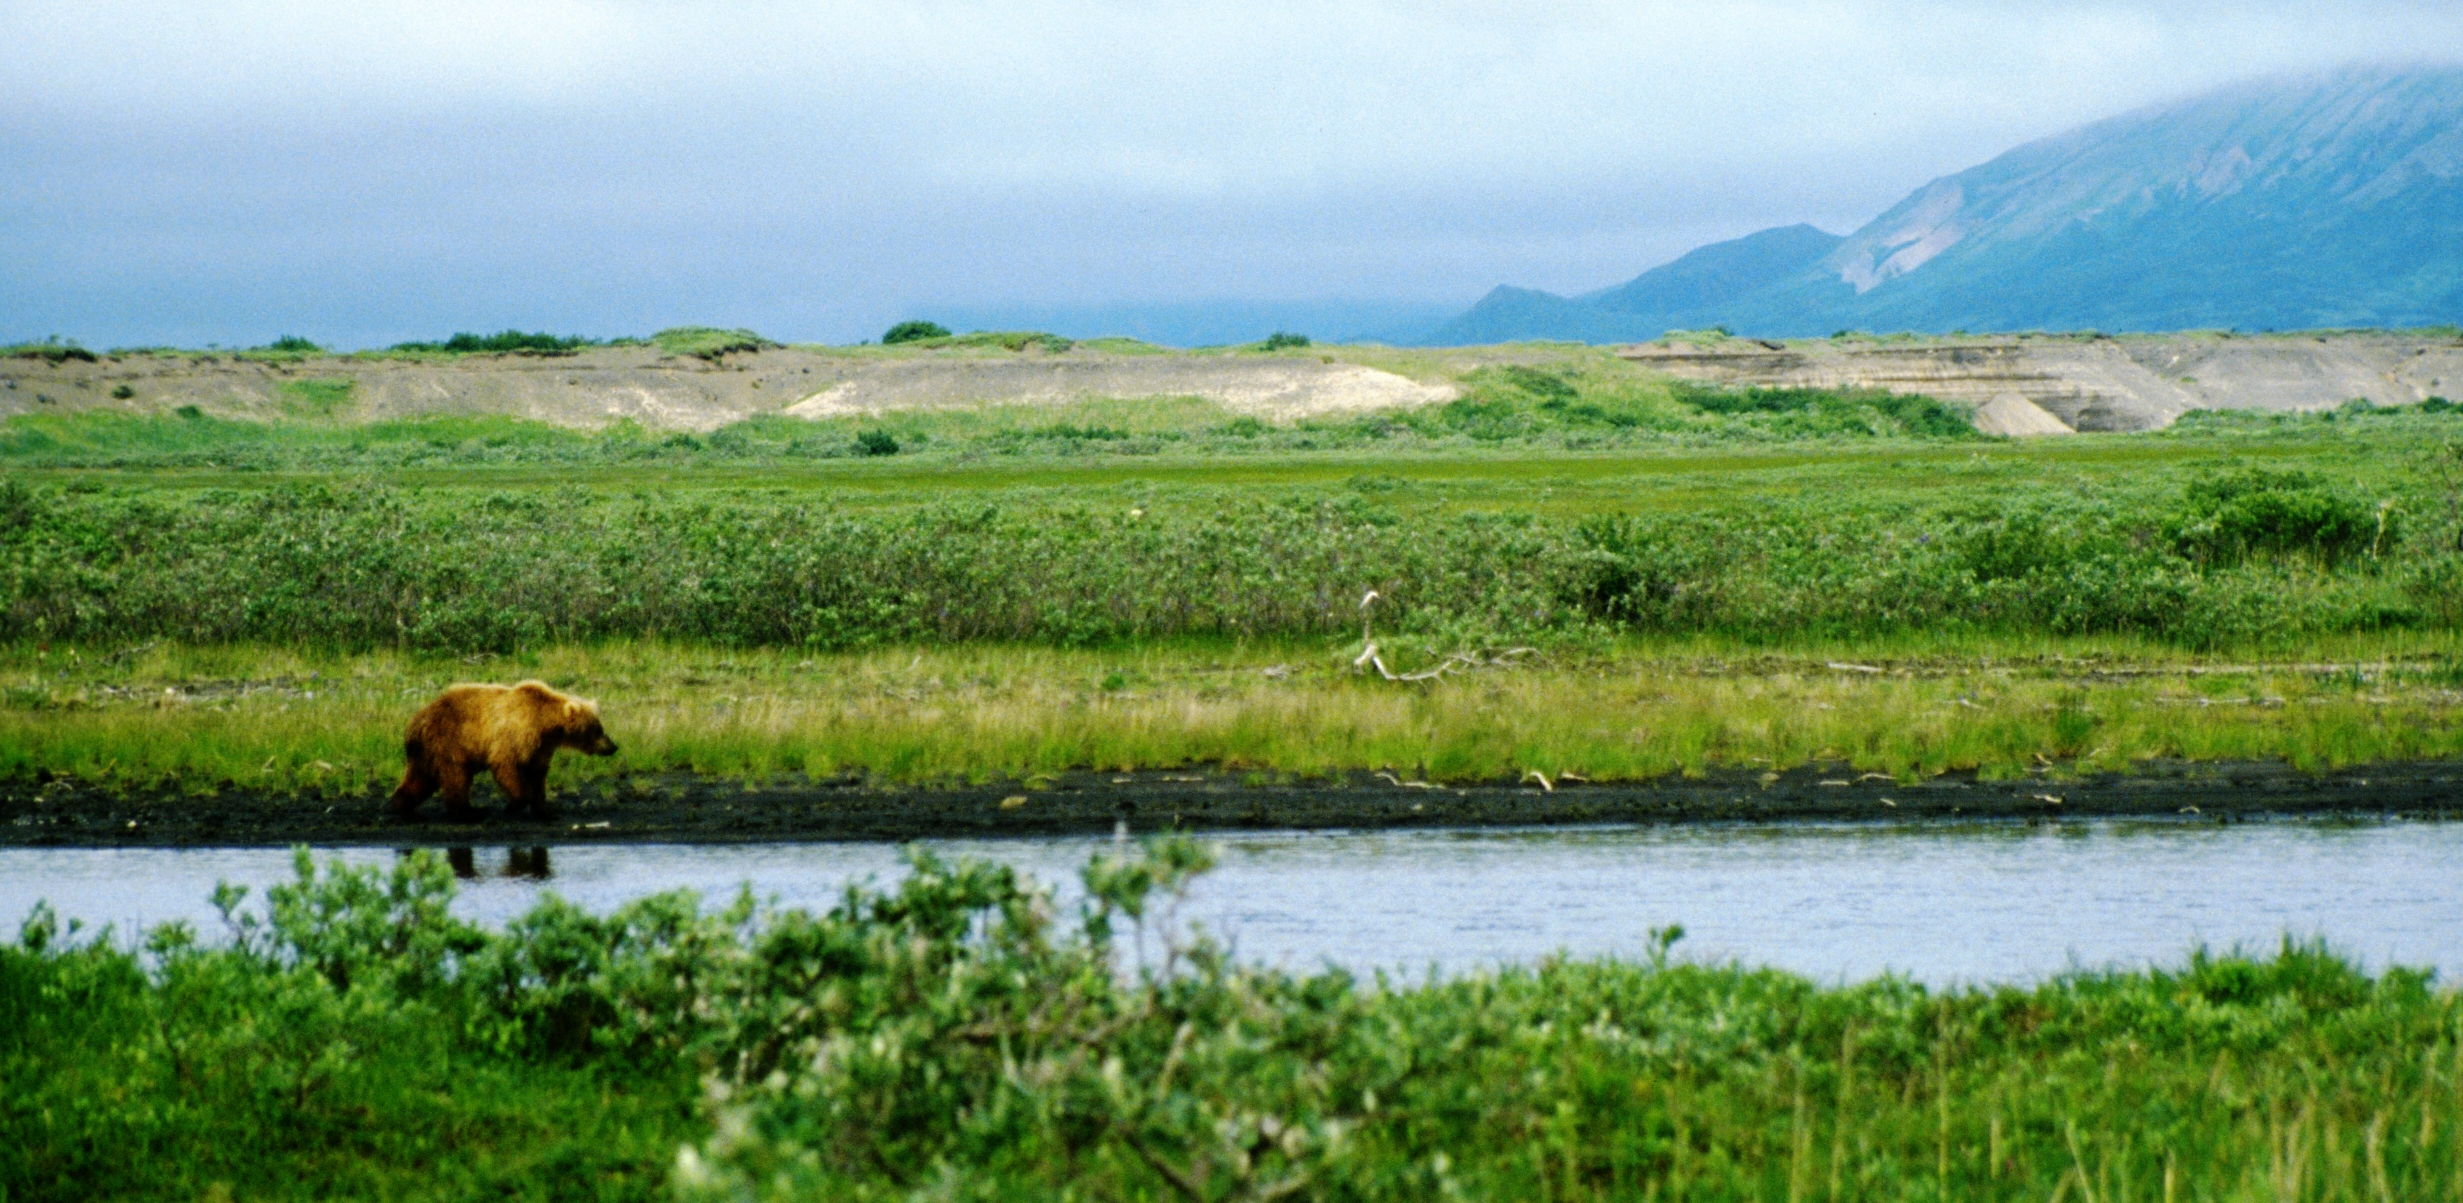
(283, 720)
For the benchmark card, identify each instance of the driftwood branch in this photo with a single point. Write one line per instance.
(1459, 661)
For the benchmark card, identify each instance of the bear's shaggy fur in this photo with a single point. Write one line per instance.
(509, 730)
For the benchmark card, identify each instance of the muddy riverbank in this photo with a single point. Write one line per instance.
(658, 809)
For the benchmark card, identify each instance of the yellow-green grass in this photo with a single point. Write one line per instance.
(284, 720)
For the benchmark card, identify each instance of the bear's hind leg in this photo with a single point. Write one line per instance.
(418, 784)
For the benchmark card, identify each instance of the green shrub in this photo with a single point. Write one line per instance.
(122, 392)
(1283, 340)
(2229, 517)
(1070, 432)
(876, 442)
(913, 331)
(292, 344)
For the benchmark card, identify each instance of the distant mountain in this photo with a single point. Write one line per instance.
(1671, 296)
(2332, 200)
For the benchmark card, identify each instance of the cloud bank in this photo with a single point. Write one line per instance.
(395, 170)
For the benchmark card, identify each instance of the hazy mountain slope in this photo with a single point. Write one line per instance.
(1718, 274)
(2327, 201)
(1508, 314)
(2332, 200)
(1692, 290)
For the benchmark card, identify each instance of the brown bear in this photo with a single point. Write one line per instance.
(510, 730)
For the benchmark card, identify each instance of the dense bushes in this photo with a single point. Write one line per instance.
(1810, 411)
(2226, 518)
(50, 350)
(383, 567)
(955, 1035)
(502, 343)
(466, 571)
(1515, 401)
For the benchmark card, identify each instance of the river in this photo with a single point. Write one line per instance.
(1944, 903)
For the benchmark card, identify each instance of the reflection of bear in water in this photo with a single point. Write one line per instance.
(519, 862)
(508, 730)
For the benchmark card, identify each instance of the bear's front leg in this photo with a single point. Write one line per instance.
(534, 786)
(514, 779)
(453, 785)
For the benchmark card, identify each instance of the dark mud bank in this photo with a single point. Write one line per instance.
(707, 810)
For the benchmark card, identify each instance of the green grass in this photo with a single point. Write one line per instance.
(1005, 340)
(286, 720)
(313, 400)
(952, 1034)
(706, 342)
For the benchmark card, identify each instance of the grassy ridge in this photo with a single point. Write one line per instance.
(288, 720)
(952, 1036)
(1590, 407)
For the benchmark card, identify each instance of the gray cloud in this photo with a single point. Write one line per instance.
(400, 170)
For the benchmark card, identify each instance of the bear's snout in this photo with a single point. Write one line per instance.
(602, 747)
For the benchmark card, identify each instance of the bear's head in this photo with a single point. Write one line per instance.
(580, 729)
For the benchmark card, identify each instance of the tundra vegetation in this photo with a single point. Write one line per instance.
(955, 1034)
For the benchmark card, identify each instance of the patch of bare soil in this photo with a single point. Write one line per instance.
(2135, 383)
(704, 810)
(1278, 389)
(594, 388)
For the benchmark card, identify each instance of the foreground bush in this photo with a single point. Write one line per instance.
(953, 1037)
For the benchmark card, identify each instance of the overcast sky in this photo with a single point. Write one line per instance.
(364, 173)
